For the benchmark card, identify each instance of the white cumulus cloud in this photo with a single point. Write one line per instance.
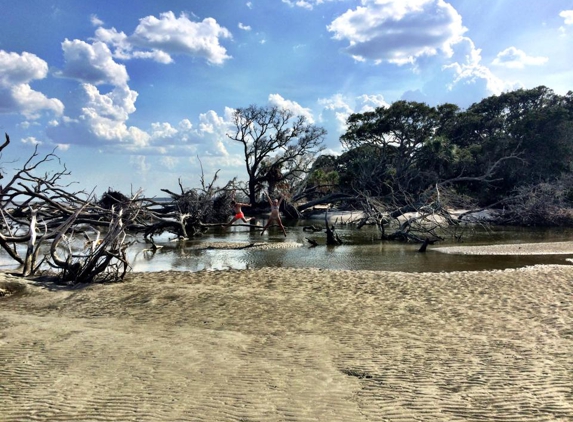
(398, 31)
(567, 15)
(17, 71)
(92, 63)
(335, 109)
(514, 58)
(293, 106)
(463, 80)
(370, 102)
(180, 35)
(102, 120)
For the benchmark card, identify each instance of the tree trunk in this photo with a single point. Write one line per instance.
(30, 260)
(252, 192)
(331, 235)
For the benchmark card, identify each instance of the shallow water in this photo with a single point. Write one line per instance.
(362, 250)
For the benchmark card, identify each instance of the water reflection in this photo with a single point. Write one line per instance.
(362, 251)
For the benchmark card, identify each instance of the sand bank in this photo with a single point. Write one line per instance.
(546, 248)
(287, 344)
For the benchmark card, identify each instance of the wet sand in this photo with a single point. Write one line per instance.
(291, 345)
(545, 248)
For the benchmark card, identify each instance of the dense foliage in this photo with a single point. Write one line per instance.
(498, 151)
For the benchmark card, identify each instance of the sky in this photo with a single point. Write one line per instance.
(139, 94)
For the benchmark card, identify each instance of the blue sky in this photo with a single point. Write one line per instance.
(134, 93)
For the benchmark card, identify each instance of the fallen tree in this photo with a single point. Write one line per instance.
(78, 238)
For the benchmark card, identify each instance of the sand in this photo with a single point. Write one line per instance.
(540, 248)
(291, 345)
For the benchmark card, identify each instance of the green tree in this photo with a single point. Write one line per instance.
(407, 150)
(533, 126)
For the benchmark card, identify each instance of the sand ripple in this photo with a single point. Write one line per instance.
(297, 345)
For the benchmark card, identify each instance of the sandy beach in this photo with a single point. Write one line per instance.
(291, 345)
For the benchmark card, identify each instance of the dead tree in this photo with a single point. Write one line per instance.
(101, 260)
(190, 211)
(42, 223)
(424, 217)
(425, 220)
(332, 238)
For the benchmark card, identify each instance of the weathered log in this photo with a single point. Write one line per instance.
(424, 245)
(333, 197)
(331, 235)
(312, 242)
(30, 260)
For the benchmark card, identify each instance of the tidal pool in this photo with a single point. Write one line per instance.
(362, 250)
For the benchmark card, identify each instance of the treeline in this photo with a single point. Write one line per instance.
(513, 151)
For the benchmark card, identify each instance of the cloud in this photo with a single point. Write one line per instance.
(171, 35)
(567, 15)
(185, 124)
(159, 39)
(63, 147)
(398, 31)
(95, 21)
(31, 141)
(300, 3)
(293, 106)
(467, 72)
(102, 120)
(207, 138)
(244, 27)
(16, 95)
(463, 80)
(213, 129)
(162, 131)
(370, 102)
(124, 50)
(169, 162)
(514, 58)
(139, 164)
(92, 63)
(306, 4)
(337, 108)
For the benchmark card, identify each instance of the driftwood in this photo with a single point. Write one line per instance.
(103, 259)
(313, 243)
(312, 228)
(333, 197)
(331, 235)
(38, 210)
(332, 238)
(425, 245)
